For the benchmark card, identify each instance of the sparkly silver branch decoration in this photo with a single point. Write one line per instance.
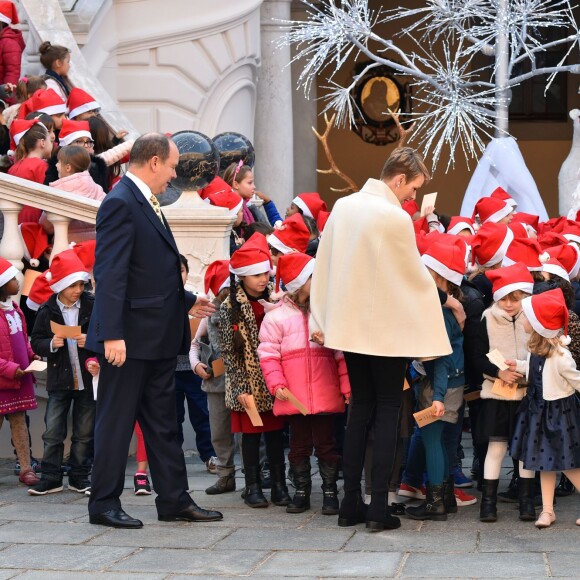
(460, 106)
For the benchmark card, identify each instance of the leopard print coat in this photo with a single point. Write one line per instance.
(243, 376)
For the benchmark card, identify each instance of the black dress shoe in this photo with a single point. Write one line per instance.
(192, 513)
(116, 519)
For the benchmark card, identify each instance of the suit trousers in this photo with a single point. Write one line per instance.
(140, 390)
(376, 392)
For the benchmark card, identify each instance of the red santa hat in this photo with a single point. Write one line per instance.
(528, 219)
(310, 203)
(553, 266)
(548, 314)
(503, 195)
(519, 230)
(43, 101)
(460, 223)
(524, 250)
(19, 128)
(569, 256)
(80, 102)
(228, 199)
(509, 279)
(447, 259)
(216, 185)
(252, 258)
(489, 245)
(322, 219)
(86, 253)
(294, 270)
(411, 207)
(7, 271)
(424, 240)
(66, 269)
(39, 292)
(73, 130)
(8, 13)
(551, 239)
(490, 209)
(35, 242)
(292, 235)
(569, 229)
(217, 276)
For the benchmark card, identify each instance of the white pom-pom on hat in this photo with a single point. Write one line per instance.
(544, 257)
(48, 275)
(34, 262)
(565, 340)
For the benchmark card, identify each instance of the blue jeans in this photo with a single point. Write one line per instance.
(83, 426)
(188, 388)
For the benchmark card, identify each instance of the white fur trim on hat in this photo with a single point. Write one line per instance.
(234, 212)
(83, 109)
(7, 275)
(511, 201)
(54, 109)
(441, 269)
(576, 267)
(68, 280)
(302, 205)
(459, 227)
(557, 270)
(500, 214)
(527, 287)
(5, 19)
(32, 305)
(278, 244)
(509, 262)
(252, 269)
(226, 284)
(569, 237)
(74, 136)
(500, 254)
(302, 278)
(536, 325)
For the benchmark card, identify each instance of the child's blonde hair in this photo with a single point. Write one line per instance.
(542, 346)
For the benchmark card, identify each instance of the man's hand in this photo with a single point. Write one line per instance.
(57, 342)
(457, 308)
(115, 352)
(81, 340)
(202, 308)
(201, 371)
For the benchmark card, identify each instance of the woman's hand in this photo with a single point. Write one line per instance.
(201, 371)
(509, 376)
(281, 394)
(438, 409)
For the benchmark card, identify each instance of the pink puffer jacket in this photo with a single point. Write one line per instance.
(314, 374)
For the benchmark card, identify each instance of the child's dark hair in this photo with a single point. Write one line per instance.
(259, 227)
(233, 173)
(27, 86)
(101, 134)
(238, 341)
(184, 262)
(50, 53)
(311, 225)
(77, 157)
(45, 119)
(29, 140)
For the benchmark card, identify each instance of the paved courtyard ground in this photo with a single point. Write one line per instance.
(49, 538)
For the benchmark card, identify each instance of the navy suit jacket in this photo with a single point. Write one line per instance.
(139, 294)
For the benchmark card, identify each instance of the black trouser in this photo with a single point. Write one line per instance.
(376, 390)
(274, 448)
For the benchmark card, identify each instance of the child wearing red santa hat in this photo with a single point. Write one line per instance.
(546, 436)
(241, 316)
(11, 46)
(314, 374)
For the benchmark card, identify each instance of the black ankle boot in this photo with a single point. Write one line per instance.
(488, 507)
(433, 508)
(565, 487)
(379, 516)
(303, 484)
(329, 474)
(526, 497)
(279, 494)
(353, 509)
(449, 496)
(511, 494)
(253, 495)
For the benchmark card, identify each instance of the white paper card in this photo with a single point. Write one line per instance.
(36, 366)
(428, 201)
(497, 359)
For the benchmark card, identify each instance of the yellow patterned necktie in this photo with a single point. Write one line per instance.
(156, 208)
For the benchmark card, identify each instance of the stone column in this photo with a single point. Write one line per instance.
(60, 223)
(274, 141)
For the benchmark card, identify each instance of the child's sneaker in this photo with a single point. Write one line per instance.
(459, 479)
(141, 485)
(464, 498)
(28, 477)
(406, 490)
(80, 485)
(212, 465)
(45, 486)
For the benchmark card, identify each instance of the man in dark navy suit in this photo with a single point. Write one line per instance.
(139, 325)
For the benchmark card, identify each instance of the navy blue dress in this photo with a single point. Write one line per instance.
(547, 433)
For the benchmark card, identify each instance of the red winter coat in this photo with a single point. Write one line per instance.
(11, 48)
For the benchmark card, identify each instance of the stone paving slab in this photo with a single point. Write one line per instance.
(317, 520)
(188, 535)
(321, 540)
(475, 565)
(337, 564)
(565, 564)
(60, 575)
(48, 533)
(204, 562)
(401, 541)
(63, 557)
(41, 512)
(532, 540)
(20, 494)
(7, 574)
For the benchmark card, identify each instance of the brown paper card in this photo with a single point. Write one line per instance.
(473, 396)
(425, 417)
(406, 386)
(505, 390)
(292, 399)
(29, 277)
(63, 331)
(36, 366)
(253, 412)
(193, 326)
(218, 367)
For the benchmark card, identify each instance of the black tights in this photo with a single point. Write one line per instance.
(274, 448)
(377, 387)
